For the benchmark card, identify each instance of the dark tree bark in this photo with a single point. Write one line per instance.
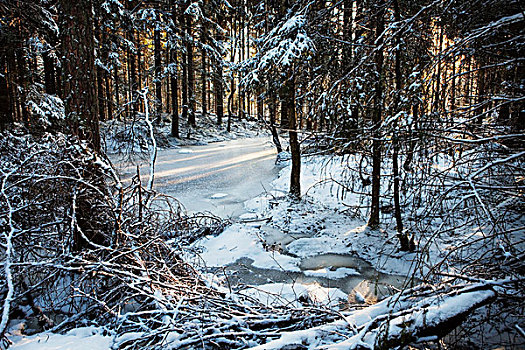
(233, 50)
(230, 104)
(289, 106)
(100, 72)
(402, 236)
(272, 110)
(5, 105)
(174, 98)
(132, 77)
(285, 119)
(79, 70)
(204, 97)
(158, 69)
(260, 104)
(191, 72)
(140, 71)
(22, 84)
(347, 32)
(373, 221)
(218, 86)
(116, 85)
(109, 101)
(242, 94)
(185, 87)
(218, 81)
(174, 75)
(204, 67)
(11, 83)
(49, 73)
(100, 93)
(184, 73)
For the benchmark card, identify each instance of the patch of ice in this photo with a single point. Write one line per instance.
(185, 151)
(335, 274)
(305, 247)
(219, 195)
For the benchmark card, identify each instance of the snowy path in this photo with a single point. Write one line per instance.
(217, 177)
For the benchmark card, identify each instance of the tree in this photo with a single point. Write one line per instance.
(379, 10)
(78, 65)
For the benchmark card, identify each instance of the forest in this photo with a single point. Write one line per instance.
(391, 154)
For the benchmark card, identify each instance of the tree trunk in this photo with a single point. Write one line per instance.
(373, 221)
(184, 73)
(140, 71)
(109, 101)
(49, 73)
(272, 110)
(79, 70)
(132, 77)
(260, 105)
(5, 106)
(242, 94)
(116, 85)
(158, 70)
(22, 84)
(347, 33)
(218, 81)
(204, 74)
(230, 104)
(191, 73)
(218, 85)
(174, 98)
(402, 236)
(285, 119)
(289, 106)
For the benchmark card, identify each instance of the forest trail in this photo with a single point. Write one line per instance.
(218, 177)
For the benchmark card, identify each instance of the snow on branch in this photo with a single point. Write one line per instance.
(287, 44)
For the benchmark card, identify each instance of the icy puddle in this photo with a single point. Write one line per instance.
(264, 261)
(352, 275)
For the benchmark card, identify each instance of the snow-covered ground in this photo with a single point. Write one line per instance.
(132, 136)
(317, 252)
(326, 234)
(319, 224)
(85, 338)
(314, 241)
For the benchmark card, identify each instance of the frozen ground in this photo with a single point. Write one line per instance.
(218, 177)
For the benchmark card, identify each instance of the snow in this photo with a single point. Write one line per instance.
(248, 216)
(218, 195)
(239, 241)
(185, 151)
(278, 294)
(83, 338)
(317, 226)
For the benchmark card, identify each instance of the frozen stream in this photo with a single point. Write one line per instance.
(219, 178)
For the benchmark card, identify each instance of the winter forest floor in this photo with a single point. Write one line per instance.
(317, 253)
